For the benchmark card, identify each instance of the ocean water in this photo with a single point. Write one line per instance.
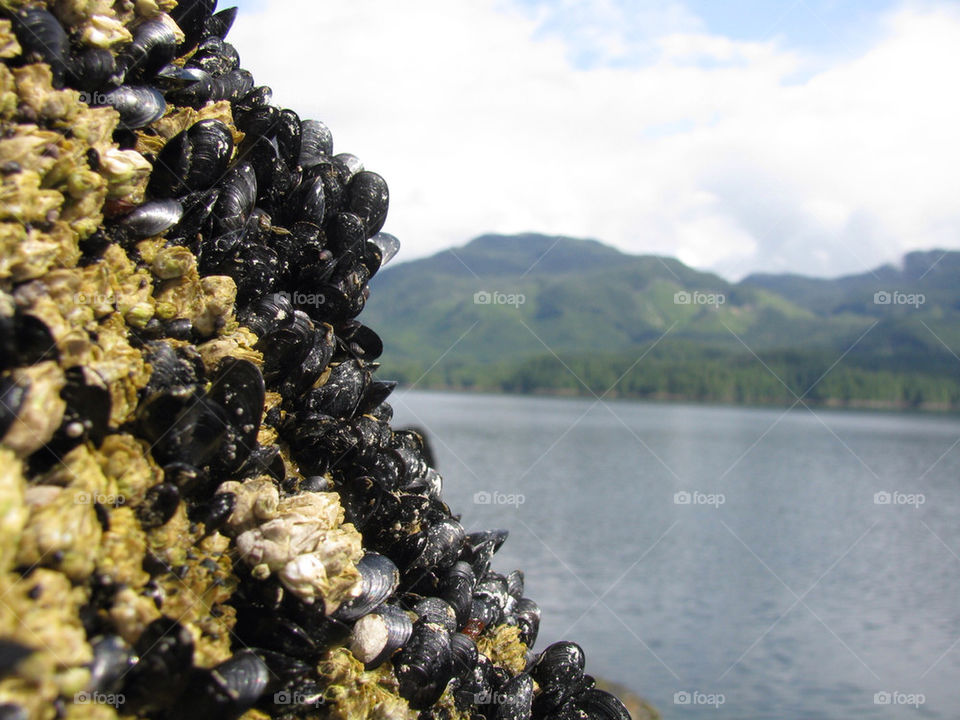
(724, 562)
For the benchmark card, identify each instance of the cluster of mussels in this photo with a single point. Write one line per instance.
(204, 511)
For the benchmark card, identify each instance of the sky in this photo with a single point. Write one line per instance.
(807, 136)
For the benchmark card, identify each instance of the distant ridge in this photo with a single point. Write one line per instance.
(570, 301)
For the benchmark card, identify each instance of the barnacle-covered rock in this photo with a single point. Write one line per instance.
(13, 508)
(353, 692)
(302, 539)
(41, 411)
(63, 530)
(192, 438)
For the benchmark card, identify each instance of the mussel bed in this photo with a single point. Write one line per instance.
(204, 509)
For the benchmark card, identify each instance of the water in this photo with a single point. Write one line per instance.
(797, 597)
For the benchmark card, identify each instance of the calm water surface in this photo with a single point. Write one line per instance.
(797, 596)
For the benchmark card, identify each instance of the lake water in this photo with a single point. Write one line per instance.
(785, 588)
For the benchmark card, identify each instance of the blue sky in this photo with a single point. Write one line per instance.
(811, 136)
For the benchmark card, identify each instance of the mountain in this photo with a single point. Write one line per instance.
(506, 312)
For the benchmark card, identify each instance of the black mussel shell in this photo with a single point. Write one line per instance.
(375, 637)
(360, 341)
(268, 314)
(219, 24)
(456, 587)
(154, 46)
(346, 237)
(112, 658)
(226, 690)
(442, 548)
(288, 137)
(43, 38)
(182, 426)
(388, 246)
(424, 665)
(217, 58)
(527, 614)
(316, 142)
(480, 548)
(11, 654)
(91, 70)
(379, 578)
(12, 397)
(158, 506)
(557, 671)
(596, 705)
(239, 389)
(339, 395)
(216, 512)
(138, 105)
(369, 198)
(165, 658)
(360, 496)
(191, 16)
(264, 460)
(194, 159)
(197, 208)
(278, 634)
(437, 611)
(515, 584)
(237, 195)
(464, 652)
(153, 218)
(515, 698)
(230, 86)
(257, 121)
(350, 165)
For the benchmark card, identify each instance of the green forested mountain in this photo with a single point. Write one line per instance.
(532, 313)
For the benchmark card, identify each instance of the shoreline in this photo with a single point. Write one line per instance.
(871, 406)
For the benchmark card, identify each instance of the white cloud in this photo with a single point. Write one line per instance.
(712, 151)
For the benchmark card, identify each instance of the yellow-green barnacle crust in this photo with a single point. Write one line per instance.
(62, 530)
(127, 460)
(40, 415)
(502, 645)
(13, 509)
(120, 557)
(9, 47)
(103, 31)
(238, 344)
(41, 611)
(353, 692)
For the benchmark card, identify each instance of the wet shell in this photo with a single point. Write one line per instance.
(138, 105)
(425, 665)
(192, 160)
(42, 38)
(153, 218)
(379, 577)
(377, 636)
